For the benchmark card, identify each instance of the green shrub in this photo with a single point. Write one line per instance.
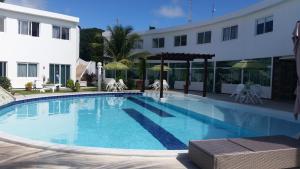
(5, 83)
(77, 87)
(28, 86)
(70, 84)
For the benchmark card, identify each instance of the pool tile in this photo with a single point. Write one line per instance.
(168, 140)
(153, 109)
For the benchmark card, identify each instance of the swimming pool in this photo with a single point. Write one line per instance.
(133, 121)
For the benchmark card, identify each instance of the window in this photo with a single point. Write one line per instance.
(138, 44)
(204, 37)
(1, 24)
(27, 70)
(29, 28)
(264, 25)
(158, 43)
(60, 32)
(2, 69)
(230, 33)
(180, 40)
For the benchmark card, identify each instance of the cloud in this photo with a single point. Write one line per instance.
(174, 10)
(38, 4)
(171, 11)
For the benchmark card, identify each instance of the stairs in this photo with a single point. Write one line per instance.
(5, 97)
(82, 66)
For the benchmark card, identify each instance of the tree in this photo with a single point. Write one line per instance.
(91, 45)
(121, 42)
(2, 0)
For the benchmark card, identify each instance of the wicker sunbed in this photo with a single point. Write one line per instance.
(273, 152)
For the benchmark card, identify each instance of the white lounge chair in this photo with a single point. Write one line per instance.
(51, 87)
(165, 85)
(155, 85)
(112, 85)
(238, 93)
(256, 92)
(121, 85)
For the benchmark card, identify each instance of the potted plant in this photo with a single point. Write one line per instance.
(28, 86)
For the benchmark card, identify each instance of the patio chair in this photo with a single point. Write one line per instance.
(256, 92)
(155, 85)
(121, 85)
(165, 85)
(271, 152)
(111, 85)
(238, 93)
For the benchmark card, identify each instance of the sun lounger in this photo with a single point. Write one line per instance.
(51, 87)
(273, 152)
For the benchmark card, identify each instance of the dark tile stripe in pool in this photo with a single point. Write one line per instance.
(164, 137)
(153, 109)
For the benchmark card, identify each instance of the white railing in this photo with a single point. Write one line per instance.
(5, 97)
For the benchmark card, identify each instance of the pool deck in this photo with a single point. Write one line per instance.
(14, 155)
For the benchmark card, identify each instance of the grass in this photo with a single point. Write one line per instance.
(24, 92)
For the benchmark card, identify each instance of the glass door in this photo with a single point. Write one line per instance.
(59, 74)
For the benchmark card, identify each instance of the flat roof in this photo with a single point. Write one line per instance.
(37, 12)
(243, 12)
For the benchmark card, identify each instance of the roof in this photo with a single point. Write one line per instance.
(243, 12)
(180, 56)
(37, 12)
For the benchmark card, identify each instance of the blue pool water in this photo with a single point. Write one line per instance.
(139, 122)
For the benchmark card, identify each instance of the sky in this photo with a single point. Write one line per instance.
(140, 14)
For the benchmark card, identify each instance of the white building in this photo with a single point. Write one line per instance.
(37, 45)
(262, 32)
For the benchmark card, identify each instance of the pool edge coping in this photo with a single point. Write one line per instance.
(8, 138)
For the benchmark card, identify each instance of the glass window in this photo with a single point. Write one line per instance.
(264, 25)
(32, 70)
(29, 28)
(269, 24)
(155, 43)
(161, 42)
(180, 40)
(65, 33)
(158, 43)
(35, 29)
(177, 41)
(56, 32)
(138, 44)
(2, 69)
(204, 37)
(27, 70)
(230, 33)
(22, 70)
(24, 27)
(1, 24)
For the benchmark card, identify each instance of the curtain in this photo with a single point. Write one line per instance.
(32, 70)
(56, 32)
(22, 70)
(24, 27)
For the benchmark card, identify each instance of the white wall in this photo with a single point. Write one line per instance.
(43, 50)
(247, 46)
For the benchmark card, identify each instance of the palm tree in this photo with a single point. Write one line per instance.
(121, 42)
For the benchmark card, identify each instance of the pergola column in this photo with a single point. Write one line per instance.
(205, 77)
(187, 79)
(161, 76)
(143, 62)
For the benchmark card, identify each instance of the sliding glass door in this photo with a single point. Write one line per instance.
(59, 74)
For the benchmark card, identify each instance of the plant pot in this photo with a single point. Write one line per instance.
(28, 89)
